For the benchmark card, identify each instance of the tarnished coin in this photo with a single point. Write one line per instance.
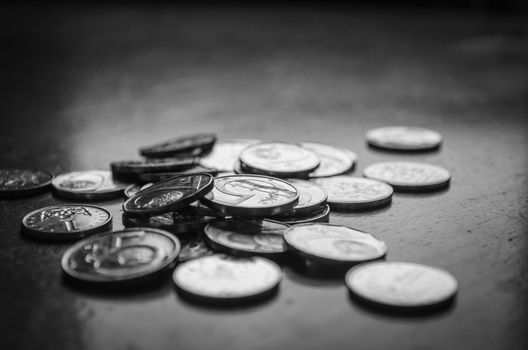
(131, 190)
(194, 145)
(169, 195)
(225, 154)
(321, 215)
(128, 255)
(174, 222)
(355, 193)
(333, 244)
(66, 222)
(311, 198)
(404, 138)
(251, 195)
(194, 249)
(157, 177)
(334, 160)
(409, 176)
(279, 159)
(23, 182)
(88, 185)
(253, 236)
(401, 284)
(223, 278)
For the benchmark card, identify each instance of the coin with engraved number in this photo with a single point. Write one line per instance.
(131, 190)
(66, 222)
(401, 284)
(355, 193)
(404, 138)
(87, 185)
(334, 160)
(409, 176)
(311, 198)
(251, 195)
(320, 215)
(121, 256)
(194, 145)
(333, 244)
(225, 154)
(223, 278)
(23, 182)
(280, 159)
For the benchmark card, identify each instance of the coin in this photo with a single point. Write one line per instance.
(66, 222)
(321, 215)
(225, 154)
(253, 236)
(404, 138)
(131, 190)
(334, 244)
(311, 198)
(355, 193)
(88, 185)
(188, 145)
(334, 160)
(401, 284)
(157, 177)
(223, 278)
(174, 222)
(128, 255)
(130, 170)
(169, 195)
(279, 159)
(409, 176)
(194, 249)
(23, 182)
(251, 195)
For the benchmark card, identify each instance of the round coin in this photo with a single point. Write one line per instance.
(409, 176)
(311, 198)
(401, 284)
(194, 145)
(223, 278)
(128, 255)
(404, 138)
(87, 185)
(174, 222)
(157, 177)
(23, 182)
(334, 160)
(66, 222)
(225, 154)
(321, 215)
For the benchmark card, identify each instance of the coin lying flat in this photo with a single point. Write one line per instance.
(23, 182)
(120, 256)
(401, 284)
(225, 154)
(409, 176)
(251, 195)
(311, 197)
(333, 244)
(174, 222)
(355, 193)
(66, 222)
(320, 215)
(89, 185)
(223, 278)
(194, 145)
(334, 160)
(194, 249)
(279, 159)
(131, 190)
(131, 170)
(404, 138)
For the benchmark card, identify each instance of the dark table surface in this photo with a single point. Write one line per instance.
(82, 86)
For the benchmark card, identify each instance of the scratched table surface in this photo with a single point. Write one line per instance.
(82, 86)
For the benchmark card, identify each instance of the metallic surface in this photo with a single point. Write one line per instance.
(404, 138)
(87, 185)
(334, 160)
(225, 154)
(23, 182)
(194, 144)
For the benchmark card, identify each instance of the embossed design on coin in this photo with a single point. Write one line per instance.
(90, 185)
(334, 160)
(404, 138)
(131, 190)
(23, 182)
(225, 154)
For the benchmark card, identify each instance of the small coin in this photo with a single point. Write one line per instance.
(311, 198)
(333, 244)
(131, 190)
(223, 278)
(128, 255)
(23, 182)
(409, 176)
(334, 160)
(251, 195)
(194, 249)
(321, 215)
(87, 185)
(404, 138)
(278, 159)
(157, 177)
(401, 284)
(253, 236)
(355, 193)
(66, 222)
(225, 154)
(169, 195)
(194, 145)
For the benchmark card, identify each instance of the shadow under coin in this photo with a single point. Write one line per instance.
(362, 212)
(422, 193)
(379, 149)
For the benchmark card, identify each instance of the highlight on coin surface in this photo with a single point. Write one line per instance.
(404, 138)
(334, 160)
(23, 182)
(88, 185)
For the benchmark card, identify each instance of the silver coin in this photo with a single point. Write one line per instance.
(120, 256)
(279, 159)
(23, 182)
(251, 195)
(404, 138)
(334, 160)
(409, 176)
(311, 197)
(89, 185)
(130, 191)
(401, 284)
(333, 244)
(223, 278)
(225, 153)
(66, 222)
(355, 193)
(194, 249)
(320, 215)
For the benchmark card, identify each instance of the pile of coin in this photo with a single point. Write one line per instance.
(230, 213)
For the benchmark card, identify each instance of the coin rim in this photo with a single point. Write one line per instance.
(26, 192)
(91, 195)
(401, 147)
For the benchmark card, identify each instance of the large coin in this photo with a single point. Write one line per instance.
(279, 159)
(23, 182)
(355, 193)
(225, 154)
(88, 185)
(320, 215)
(409, 176)
(404, 138)
(333, 244)
(194, 145)
(120, 256)
(223, 278)
(66, 222)
(334, 160)
(251, 195)
(311, 198)
(401, 284)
